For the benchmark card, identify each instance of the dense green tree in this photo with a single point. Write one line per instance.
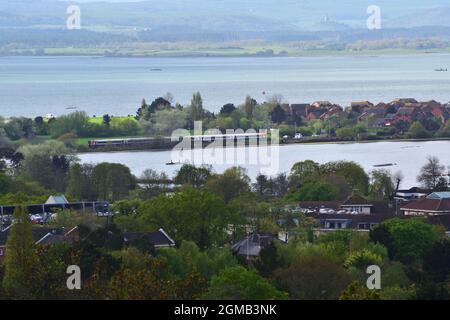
(436, 261)
(304, 171)
(77, 123)
(406, 239)
(227, 109)
(313, 277)
(192, 175)
(79, 182)
(417, 131)
(112, 181)
(314, 191)
(232, 183)
(352, 172)
(237, 283)
(21, 257)
(47, 163)
(192, 214)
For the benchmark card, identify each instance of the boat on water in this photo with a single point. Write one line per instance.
(171, 163)
(156, 69)
(441, 70)
(385, 165)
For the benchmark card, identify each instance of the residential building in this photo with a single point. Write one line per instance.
(435, 204)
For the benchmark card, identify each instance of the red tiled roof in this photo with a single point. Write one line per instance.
(429, 205)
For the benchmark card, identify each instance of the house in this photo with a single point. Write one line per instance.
(354, 212)
(159, 239)
(300, 109)
(287, 109)
(314, 113)
(42, 236)
(406, 101)
(411, 194)
(321, 104)
(360, 106)
(333, 112)
(372, 115)
(406, 114)
(251, 246)
(435, 204)
(357, 204)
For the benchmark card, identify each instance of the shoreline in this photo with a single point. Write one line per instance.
(181, 54)
(281, 145)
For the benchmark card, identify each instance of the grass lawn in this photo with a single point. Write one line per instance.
(99, 120)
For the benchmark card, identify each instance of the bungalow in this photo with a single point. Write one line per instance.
(333, 112)
(360, 106)
(321, 104)
(435, 204)
(42, 236)
(411, 194)
(355, 212)
(315, 113)
(300, 109)
(251, 246)
(372, 115)
(159, 239)
(406, 114)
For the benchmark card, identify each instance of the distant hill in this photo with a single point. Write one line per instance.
(221, 20)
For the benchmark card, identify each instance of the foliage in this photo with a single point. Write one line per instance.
(405, 239)
(313, 277)
(21, 259)
(237, 283)
(192, 214)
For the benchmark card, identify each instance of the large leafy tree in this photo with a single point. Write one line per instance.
(112, 181)
(381, 184)
(313, 277)
(192, 175)
(430, 173)
(238, 283)
(233, 183)
(47, 163)
(21, 258)
(406, 239)
(192, 214)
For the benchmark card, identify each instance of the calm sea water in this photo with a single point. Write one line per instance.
(33, 86)
(409, 157)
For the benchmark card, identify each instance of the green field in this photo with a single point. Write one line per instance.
(99, 120)
(225, 50)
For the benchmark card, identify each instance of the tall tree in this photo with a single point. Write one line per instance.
(21, 257)
(249, 107)
(196, 107)
(430, 173)
(381, 184)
